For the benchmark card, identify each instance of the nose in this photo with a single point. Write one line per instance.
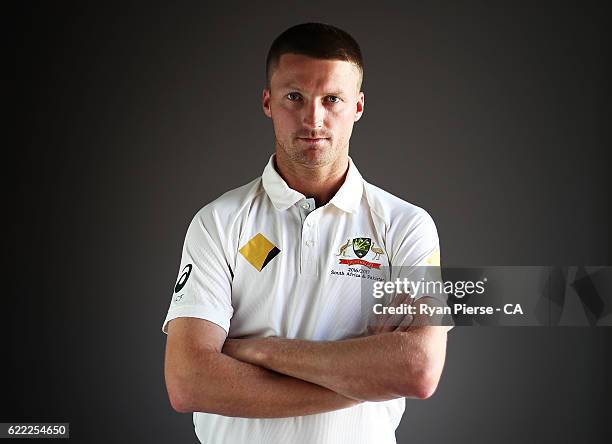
(314, 114)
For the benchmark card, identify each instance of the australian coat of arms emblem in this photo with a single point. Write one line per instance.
(361, 247)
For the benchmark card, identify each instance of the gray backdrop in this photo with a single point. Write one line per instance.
(131, 118)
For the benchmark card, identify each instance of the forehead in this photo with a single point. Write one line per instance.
(300, 71)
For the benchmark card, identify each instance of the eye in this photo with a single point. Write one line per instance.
(293, 96)
(333, 99)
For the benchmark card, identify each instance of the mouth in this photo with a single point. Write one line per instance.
(312, 141)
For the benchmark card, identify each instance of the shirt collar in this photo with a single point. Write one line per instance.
(347, 198)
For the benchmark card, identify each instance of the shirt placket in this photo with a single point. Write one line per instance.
(309, 247)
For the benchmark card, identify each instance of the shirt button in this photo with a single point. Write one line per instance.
(309, 243)
(305, 206)
(309, 223)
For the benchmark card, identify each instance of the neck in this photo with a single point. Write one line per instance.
(319, 182)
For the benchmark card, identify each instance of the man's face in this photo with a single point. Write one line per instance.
(313, 104)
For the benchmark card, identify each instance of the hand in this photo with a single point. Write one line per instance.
(231, 347)
(246, 350)
(236, 348)
(385, 322)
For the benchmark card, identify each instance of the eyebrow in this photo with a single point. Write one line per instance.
(293, 88)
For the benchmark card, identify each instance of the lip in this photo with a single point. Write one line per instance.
(309, 140)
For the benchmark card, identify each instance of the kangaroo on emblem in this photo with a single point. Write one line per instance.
(343, 248)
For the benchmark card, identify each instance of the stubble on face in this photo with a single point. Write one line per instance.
(325, 153)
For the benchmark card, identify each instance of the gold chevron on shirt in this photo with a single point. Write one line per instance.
(259, 251)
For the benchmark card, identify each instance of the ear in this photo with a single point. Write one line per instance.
(359, 107)
(265, 102)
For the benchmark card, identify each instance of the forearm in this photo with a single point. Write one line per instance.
(373, 368)
(222, 385)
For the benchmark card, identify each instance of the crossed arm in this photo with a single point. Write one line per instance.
(276, 377)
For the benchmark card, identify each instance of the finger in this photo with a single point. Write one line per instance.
(427, 317)
(392, 321)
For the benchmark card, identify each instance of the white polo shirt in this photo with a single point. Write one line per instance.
(262, 261)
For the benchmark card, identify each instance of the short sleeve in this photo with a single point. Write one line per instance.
(417, 258)
(203, 285)
(416, 242)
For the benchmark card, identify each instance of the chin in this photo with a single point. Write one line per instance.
(317, 156)
(310, 156)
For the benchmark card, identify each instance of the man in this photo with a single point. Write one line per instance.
(267, 339)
